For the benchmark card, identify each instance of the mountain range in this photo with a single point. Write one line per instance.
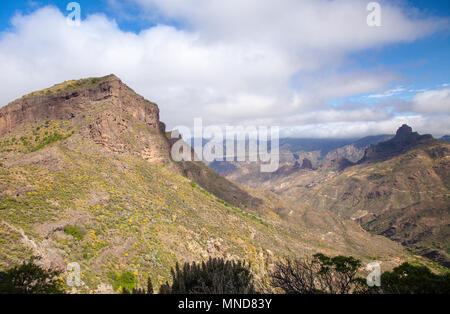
(395, 186)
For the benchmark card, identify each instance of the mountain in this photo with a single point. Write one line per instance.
(86, 176)
(400, 189)
(354, 151)
(445, 138)
(330, 154)
(405, 139)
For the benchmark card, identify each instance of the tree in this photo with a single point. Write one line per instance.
(337, 275)
(216, 276)
(319, 274)
(30, 278)
(410, 279)
(296, 276)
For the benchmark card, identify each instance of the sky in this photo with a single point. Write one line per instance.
(315, 68)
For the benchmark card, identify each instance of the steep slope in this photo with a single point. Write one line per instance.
(86, 176)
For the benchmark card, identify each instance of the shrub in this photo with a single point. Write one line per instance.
(123, 282)
(74, 232)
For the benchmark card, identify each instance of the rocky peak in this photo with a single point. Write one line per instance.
(306, 164)
(404, 140)
(404, 130)
(104, 110)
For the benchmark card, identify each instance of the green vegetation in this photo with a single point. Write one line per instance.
(48, 140)
(74, 232)
(37, 138)
(68, 86)
(121, 282)
(413, 279)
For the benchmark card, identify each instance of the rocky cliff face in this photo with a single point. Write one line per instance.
(306, 164)
(103, 109)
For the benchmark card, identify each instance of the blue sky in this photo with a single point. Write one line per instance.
(327, 84)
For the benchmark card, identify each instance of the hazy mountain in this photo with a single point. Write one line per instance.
(445, 138)
(327, 153)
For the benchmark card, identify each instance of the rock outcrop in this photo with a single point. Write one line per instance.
(306, 164)
(103, 109)
(404, 140)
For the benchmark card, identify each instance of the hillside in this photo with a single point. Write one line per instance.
(86, 176)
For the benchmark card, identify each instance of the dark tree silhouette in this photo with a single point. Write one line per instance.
(319, 274)
(29, 278)
(149, 289)
(216, 276)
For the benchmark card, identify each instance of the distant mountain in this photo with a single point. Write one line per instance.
(355, 151)
(445, 138)
(400, 189)
(331, 153)
(323, 145)
(404, 140)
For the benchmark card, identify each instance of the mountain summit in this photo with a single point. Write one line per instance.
(404, 130)
(102, 109)
(405, 139)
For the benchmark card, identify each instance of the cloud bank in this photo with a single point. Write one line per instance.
(230, 62)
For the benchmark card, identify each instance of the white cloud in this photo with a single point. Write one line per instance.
(437, 126)
(273, 61)
(389, 93)
(432, 101)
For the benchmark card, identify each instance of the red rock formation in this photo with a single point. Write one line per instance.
(105, 109)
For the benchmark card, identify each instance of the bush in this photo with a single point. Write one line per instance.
(74, 232)
(123, 282)
(216, 276)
